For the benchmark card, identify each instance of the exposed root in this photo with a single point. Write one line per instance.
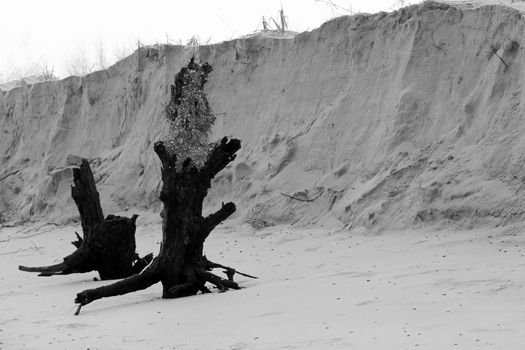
(78, 310)
(58, 269)
(221, 283)
(181, 289)
(141, 263)
(192, 284)
(196, 279)
(229, 271)
(188, 287)
(205, 290)
(147, 278)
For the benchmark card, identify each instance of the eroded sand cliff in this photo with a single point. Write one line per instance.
(388, 120)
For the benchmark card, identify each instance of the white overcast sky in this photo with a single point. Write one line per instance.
(52, 31)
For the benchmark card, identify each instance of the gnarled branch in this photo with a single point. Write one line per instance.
(222, 154)
(146, 278)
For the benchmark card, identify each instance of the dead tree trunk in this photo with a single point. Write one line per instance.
(181, 266)
(107, 246)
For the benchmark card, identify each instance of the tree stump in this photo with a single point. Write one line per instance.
(180, 265)
(107, 245)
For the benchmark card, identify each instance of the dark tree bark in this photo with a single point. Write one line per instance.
(107, 245)
(180, 265)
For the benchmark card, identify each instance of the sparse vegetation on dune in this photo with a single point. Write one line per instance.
(83, 60)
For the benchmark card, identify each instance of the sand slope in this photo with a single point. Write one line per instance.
(387, 120)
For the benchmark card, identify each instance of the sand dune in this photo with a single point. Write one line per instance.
(395, 120)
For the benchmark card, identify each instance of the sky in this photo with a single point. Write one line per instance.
(53, 34)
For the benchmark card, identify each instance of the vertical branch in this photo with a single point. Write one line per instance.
(221, 155)
(85, 194)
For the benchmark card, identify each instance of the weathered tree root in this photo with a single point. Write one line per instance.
(107, 245)
(229, 271)
(57, 269)
(180, 265)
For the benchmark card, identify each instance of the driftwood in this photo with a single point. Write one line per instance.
(181, 266)
(107, 245)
